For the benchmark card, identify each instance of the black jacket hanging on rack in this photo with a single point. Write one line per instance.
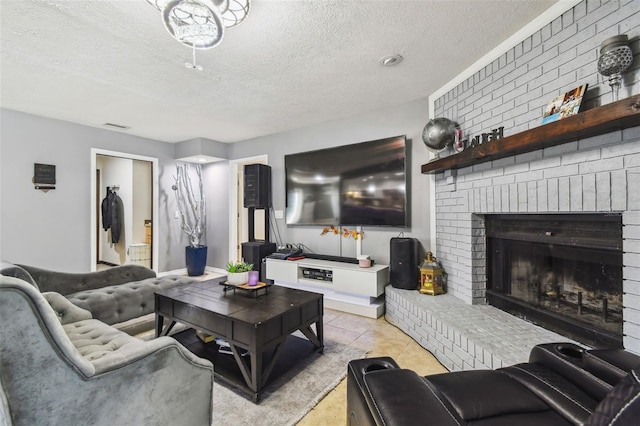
(117, 216)
(106, 211)
(112, 214)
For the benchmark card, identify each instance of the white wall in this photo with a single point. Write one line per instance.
(141, 199)
(216, 184)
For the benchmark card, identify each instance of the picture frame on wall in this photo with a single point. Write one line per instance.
(564, 105)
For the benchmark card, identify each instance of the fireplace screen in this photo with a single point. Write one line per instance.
(562, 271)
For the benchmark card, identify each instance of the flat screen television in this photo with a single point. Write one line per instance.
(359, 184)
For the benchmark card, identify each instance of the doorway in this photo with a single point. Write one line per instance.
(123, 210)
(238, 214)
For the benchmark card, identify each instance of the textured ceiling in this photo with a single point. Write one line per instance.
(291, 64)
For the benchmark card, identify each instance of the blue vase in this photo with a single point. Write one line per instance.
(196, 260)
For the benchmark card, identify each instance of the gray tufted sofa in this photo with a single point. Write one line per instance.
(60, 366)
(112, 296)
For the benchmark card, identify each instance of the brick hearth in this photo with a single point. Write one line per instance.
(463, 336)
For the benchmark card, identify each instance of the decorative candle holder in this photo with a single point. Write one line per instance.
(615, 58)
(254, 277)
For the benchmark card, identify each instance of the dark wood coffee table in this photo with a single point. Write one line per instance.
(260, 325)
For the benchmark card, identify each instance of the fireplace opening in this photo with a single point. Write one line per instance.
(560, 271)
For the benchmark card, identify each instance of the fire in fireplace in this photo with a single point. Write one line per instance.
(561, 271)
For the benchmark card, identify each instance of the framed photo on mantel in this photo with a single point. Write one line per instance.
(564, 105)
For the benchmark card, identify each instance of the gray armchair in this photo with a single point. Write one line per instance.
(59, 366)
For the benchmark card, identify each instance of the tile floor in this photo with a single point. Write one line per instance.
(379, 338)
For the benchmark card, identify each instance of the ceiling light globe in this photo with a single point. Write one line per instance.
(222, 5)
(158, 4)
(194, 23)
(236, 12)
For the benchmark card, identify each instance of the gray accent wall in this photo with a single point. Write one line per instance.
(407, 119)
(52, 229)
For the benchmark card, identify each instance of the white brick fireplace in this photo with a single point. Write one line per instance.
(600, 174)
(597, 174)
(591, 175)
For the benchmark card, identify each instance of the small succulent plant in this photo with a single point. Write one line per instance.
(239, 267)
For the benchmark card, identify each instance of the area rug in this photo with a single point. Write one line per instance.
(290, 397)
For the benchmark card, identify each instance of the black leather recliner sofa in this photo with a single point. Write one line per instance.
(562, 384)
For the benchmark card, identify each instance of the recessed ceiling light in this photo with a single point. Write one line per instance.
(390, 60)
(200, 158)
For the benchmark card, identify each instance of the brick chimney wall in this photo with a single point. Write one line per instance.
(598, 174)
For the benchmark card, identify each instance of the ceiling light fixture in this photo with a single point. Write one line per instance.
(390, 60)
(200, 24)
(194, 23)
(193, 65)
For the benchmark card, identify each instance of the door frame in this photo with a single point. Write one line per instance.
(154, 202)
(236, 193)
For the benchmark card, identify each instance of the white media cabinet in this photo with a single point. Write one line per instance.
(352, 289)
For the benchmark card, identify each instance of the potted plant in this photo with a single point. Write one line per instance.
(192, 217)
(238, 272)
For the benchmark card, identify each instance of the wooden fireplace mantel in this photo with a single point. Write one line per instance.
(596, 121)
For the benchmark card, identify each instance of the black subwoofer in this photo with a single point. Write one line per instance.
(255, 251)
(404, 270)
(257, 186)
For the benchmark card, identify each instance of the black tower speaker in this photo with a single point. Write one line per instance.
(403, 270)
(257, 186)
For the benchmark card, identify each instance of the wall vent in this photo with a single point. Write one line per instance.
(116, 126)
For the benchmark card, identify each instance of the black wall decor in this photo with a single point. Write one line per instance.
(44, 176)
(488, 137)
